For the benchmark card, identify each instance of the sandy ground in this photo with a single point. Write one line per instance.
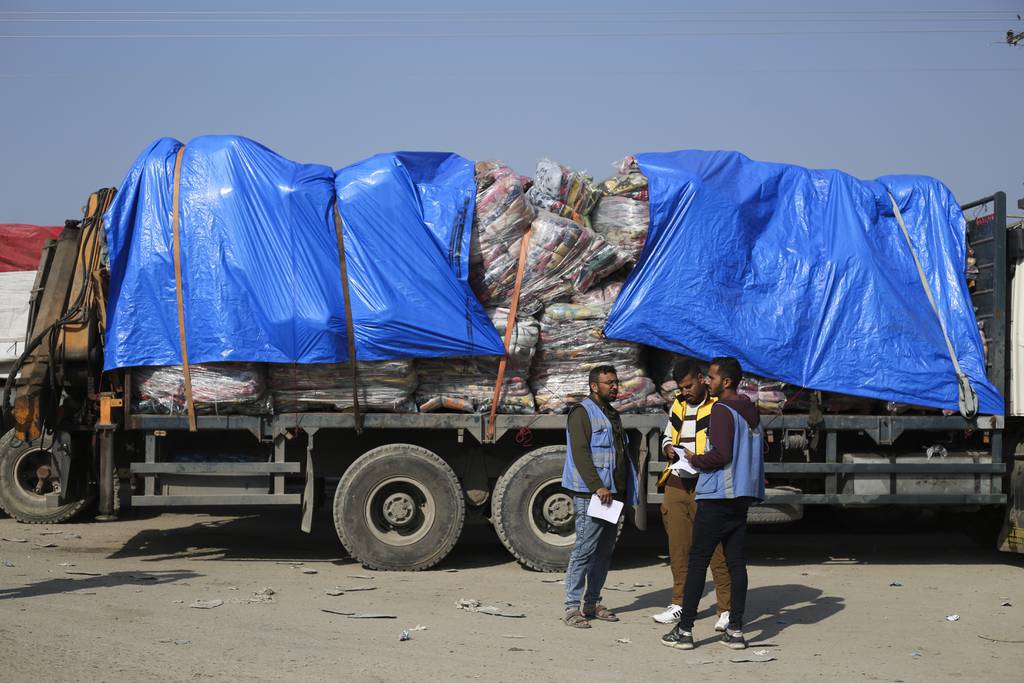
(821, 604)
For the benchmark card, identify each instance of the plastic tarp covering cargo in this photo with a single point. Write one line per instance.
(260, 268)
(805, 276)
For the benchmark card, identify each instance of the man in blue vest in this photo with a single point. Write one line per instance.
(731, 479)
(596, 464)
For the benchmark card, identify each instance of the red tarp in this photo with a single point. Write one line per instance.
(21, 244)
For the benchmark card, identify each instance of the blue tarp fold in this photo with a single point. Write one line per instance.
(805, 276)
(261, 276)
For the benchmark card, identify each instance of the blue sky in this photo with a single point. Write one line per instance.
(871, 88)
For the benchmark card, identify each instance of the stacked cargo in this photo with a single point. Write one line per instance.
(467, 384)
(384, 386)
(217, 389)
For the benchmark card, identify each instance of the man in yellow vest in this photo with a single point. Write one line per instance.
(687, 427)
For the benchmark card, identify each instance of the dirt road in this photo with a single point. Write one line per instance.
(824, 605)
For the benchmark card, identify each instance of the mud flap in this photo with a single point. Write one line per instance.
(1011, 536)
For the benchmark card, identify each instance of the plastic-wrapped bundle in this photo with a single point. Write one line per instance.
(629, 181)
(563, 191)
(467, 384)
(571, 344)
(563, 258)
(384, 386)
(500, 218)
(623, 222)
(766, 394)
(217, 389)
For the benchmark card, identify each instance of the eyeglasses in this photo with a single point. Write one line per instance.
(612, 383)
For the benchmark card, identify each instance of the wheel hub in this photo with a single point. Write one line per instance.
(557, 510)
(399, 509)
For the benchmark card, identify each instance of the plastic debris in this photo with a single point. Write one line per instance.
(1005, 603)
(521, 649)
(418, 627)
(513, 635)
(265, 595)
(352, 589)
(752, 659)
(50, 533)
(953, 617)
(895, 584)
(405, 636)
(8, 563)
(760, 653)
(372, 616)
(552, 580)
(81, 573)
(15, 540)
(362, 576)
(624, 589)
(493, 610)
(310, 571)
(915, 654)
(206, 604)
(66, 564)
(693, 661)
(624, 641)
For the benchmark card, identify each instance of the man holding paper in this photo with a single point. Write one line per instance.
(601, 478)
(687, 428)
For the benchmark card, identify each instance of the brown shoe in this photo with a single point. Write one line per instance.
(575, 618)
(600, 612)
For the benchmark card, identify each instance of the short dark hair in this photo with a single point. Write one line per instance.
(729, 367)
(686, 366)
(596, 373)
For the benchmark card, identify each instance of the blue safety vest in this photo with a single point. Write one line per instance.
(602, 451)
(744, 475)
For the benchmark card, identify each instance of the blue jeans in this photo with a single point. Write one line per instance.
(590, 558)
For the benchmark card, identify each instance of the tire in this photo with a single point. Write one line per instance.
(399, 507)
(18, 460)
(531, 514)
(766, 513)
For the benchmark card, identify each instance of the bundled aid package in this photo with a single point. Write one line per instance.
(217, 389)
(563, 191)
(467, 384)
(501, 216)
(384, 386)
(572, 343)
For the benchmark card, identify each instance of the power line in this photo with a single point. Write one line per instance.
(477, 34)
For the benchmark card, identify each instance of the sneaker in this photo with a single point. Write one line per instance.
(678, 638)
(670, 615)
(723, 622)
(734, 639)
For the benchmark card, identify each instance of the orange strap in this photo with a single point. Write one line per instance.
(175, 220)
(348, 319)
(510, 325)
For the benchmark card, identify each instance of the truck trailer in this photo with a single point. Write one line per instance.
(407, 484)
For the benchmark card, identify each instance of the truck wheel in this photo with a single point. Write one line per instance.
(27, 473)
(399, 507)
(532, 514)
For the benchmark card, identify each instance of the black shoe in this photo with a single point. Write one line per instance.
(734, 639)
(678, 638)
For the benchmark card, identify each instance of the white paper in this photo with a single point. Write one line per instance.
(681, 462)
(609, 513)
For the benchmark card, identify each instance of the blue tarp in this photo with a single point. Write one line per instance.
(261, 276)
(805, 276)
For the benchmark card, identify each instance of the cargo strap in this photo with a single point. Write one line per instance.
(350, 330)
(176, 233)
(510, 326)
(967, 397)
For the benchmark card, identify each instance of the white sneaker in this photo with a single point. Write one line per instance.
(723, 622)
(670, 615)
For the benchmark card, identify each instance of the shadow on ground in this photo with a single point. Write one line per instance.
(71, 584)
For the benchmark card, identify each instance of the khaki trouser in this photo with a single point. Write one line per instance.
(677, 513)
